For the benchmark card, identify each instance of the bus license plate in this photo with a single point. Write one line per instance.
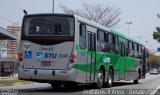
(45, 63)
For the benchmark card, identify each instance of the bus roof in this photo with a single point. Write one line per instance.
(91, 23)
(133, 40)
(50, 14)
(122, 35)
(117, 33)
(106, 29)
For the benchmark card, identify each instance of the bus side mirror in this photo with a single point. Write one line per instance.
(25, 12)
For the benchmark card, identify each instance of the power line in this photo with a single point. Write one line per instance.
(7, 16)
(6, 19)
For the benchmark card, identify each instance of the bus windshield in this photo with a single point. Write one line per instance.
(48, 26)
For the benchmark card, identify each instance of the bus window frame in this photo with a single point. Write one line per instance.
(81, 35)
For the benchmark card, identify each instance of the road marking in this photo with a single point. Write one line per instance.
(154, 92)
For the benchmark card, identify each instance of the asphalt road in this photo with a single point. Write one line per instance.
(145, 87)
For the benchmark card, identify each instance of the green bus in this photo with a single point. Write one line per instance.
(68, 49)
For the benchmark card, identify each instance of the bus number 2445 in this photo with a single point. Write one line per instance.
(63, 55)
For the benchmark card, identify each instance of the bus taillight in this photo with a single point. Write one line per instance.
(72, 58)
(20, 59)
(20, 56)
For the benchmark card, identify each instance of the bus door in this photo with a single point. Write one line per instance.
(91, 56)
(144, 62)
(122, 65)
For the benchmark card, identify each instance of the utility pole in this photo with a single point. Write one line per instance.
(53, 7)
(146, 43)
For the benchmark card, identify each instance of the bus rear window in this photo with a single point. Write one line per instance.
(48, 26)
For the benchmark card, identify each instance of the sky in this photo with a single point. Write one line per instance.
(142, 14)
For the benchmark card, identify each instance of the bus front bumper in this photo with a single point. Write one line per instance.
(41, 75)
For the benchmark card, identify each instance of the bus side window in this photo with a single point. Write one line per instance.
(122, 46)
(110, 42)
(114, 44)
(102, 41)
(82, 38)
(127, 48)
(108, 45)
(140, 52)
(135, 50)
(131, 49)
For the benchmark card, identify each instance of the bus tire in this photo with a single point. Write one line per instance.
(136, 81)
(109, 78)
(100, 79)
(56, 85)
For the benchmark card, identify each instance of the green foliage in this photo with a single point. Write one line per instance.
(12, 82)
(156, 34)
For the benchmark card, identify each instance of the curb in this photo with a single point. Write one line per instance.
(6, 78)
(147, 74)
(21, 83)
(155, 91)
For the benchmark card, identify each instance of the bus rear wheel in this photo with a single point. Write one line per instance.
(100, 79)
(109, 78)
(56, 85)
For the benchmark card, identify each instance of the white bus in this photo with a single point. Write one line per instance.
(68, 49)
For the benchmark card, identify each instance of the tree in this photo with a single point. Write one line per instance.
(154, 61)
(106, 16)
(156, 34)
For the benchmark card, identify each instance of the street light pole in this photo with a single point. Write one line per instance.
(146, 43)
(53, 7)
(128, 23)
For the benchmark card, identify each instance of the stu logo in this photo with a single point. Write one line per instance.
(41, 55)
(106, 59)
(50, 55)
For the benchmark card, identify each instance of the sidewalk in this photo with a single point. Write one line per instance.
(12, 81)
(147, 74)
(14, 77)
